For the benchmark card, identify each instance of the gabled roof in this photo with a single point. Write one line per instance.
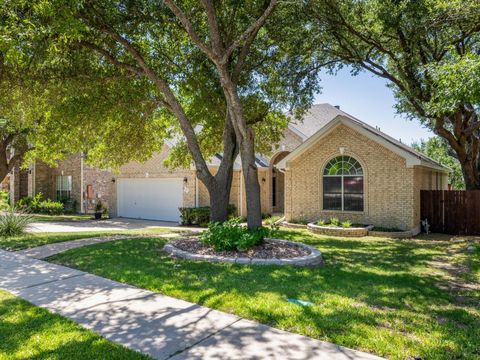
(314, 119)
(413, 157)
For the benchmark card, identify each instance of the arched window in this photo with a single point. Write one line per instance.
(343, 185)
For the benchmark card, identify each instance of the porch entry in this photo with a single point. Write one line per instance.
(277, 190)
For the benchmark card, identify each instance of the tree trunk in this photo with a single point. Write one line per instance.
(465, 144)
(252, 187)
(246, 140)
(219, 186)
(219, 201)
(471, 174)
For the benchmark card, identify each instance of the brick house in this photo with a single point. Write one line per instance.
(329, 164)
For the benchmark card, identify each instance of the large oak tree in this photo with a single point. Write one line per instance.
(428, 50)
(234, 57)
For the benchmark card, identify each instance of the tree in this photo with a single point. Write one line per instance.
(15, 124)
(437, 148)
(180, 55)
(427, 50)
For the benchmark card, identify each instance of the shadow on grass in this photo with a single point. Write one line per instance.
(373, 294)
(29, 332)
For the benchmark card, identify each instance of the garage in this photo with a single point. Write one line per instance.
(152, 199)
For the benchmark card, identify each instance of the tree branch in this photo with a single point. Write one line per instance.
(213, 26)
(188, 26)
(111, 58)
(251, 31)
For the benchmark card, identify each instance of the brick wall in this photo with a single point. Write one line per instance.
(101, 181)
(390, 199)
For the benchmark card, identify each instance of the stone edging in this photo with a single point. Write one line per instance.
(313, 259)
(339, 231)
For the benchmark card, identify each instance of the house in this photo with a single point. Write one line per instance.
(328, 165)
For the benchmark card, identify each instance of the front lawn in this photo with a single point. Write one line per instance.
(377, 295)
(30, 240)
(29, 332)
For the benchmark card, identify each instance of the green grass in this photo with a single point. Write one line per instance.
(76, 217)
(29, 332)
(31, 240)
(373, 294)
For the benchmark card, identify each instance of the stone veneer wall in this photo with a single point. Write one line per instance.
(390, 199)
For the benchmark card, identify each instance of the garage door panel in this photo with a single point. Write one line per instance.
(156, 199)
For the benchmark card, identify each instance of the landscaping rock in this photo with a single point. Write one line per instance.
(271, 252)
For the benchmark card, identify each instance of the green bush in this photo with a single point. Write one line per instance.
(200, 215)
(347, 224)
(321, 222)
(30, 203)
(4, 200)
(334, 221)
(231, 235)
(14, 222)
(37, 205)
(49, 207)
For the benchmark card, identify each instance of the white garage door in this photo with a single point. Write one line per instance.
(154, 199)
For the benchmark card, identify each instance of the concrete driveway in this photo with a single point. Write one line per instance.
(102, 225)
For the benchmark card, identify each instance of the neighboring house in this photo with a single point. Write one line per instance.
(328, 165)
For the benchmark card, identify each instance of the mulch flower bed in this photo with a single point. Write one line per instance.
(267, 250)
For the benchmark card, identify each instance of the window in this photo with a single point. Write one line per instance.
(343, 185)
(64, 188)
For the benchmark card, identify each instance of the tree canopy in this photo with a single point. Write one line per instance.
(120, 77)
(426, 49)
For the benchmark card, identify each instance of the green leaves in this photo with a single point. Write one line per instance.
(456, 81)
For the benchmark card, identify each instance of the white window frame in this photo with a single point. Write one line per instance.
(342, 177)
(60, 187)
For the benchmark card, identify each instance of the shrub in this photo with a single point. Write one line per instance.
(14, 222)
(231, 235)
(37, 205)
(49, 207)
(347, 224)
(200, 215)
(99, 206)
(335, 221)
(30, 203)
(4, 200)
(321, 222)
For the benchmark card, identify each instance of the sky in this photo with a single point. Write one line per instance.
(366, 97)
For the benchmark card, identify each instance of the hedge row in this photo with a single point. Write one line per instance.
(200, 215)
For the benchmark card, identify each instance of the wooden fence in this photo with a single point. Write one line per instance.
(455, 212)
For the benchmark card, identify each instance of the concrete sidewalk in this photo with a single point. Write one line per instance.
(161, 326)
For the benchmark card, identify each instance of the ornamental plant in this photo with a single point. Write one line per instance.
(231, 235)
